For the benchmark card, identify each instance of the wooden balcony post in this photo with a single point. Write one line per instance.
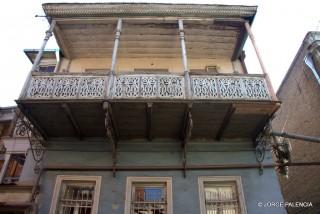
(263, 68)
(114, 55)
(35, 66)
(184, 58)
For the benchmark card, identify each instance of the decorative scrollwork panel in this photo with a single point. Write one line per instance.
(256, 88)
(204, 87)
(149, 86)
(231, 88)
(41, 87)
(21, 130)
(91, 87)
(66, 87)
(171, 87)
(24, 128)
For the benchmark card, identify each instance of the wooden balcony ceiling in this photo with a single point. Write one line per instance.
(137, 120)
(151, 38)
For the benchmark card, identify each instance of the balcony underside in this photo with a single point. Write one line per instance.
(149, 119)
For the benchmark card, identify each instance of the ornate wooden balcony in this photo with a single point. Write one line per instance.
(222, 105)
(148, 86)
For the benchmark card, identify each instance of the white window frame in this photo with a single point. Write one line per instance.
(57, 188)
(235, 179)
(148, 180)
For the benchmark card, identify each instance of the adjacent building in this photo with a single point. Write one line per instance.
(16, 165)
(299, 113)
(149, 109)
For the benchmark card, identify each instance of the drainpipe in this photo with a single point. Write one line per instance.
(114, 55)
(184, 57)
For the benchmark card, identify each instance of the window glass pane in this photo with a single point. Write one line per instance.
(148, 199)
(49, 68)
(149, 194)
(76, 198)
(14, 168)
(221, 198)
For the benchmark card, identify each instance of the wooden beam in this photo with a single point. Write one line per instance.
(149, 107)
(259, 128)
(72, 119)
(110, 134)
(243, 64)
(73, 167)
(239, 44)
(187, 124)
(225, 122)
(61, 41)
(186, 134)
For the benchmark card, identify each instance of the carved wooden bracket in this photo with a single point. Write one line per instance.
(225, 122)
(149, 109)
(111, 134)
(186, 134)
(72, 119)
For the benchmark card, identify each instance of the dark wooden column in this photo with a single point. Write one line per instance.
(186, 134)
(149, 107)
(110, 133)
(225, 122)
(72, 120)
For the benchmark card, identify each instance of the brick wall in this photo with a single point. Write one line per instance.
(300, 114)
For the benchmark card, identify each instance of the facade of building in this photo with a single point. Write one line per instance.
(16, 165)
(299, 113)
(150, 109)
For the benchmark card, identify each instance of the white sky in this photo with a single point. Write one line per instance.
(279, 28)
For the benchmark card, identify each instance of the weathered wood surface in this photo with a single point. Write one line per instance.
(133, 120)
(80, 40)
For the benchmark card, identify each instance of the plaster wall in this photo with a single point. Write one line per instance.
(174, 65)
(256, 187)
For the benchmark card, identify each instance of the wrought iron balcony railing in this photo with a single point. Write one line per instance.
(148, 86)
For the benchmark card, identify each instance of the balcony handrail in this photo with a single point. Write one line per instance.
(93, 85)
(87, 73)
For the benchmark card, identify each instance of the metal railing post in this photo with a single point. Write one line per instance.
(36, 62)
(263, 68)
(114, 56)
(184, 59)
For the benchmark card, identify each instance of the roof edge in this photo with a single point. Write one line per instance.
(60, 10)
(309, 38)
